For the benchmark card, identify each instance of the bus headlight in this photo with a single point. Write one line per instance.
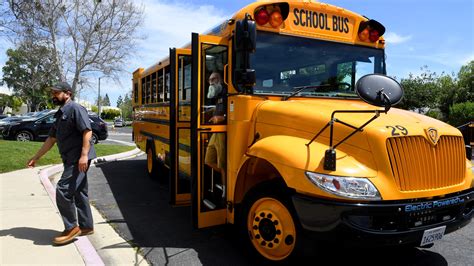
(348, 187)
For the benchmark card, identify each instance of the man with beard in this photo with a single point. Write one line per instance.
(216, 148)
(72, 132)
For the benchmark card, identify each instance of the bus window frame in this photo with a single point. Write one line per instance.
(234, 66)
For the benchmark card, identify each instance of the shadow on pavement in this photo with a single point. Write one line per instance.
(41, 237)
(137, 207)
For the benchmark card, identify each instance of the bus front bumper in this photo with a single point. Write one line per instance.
(382, 223)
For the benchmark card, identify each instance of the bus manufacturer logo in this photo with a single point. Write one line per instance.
(432, 134)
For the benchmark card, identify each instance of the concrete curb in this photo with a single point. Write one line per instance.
(84, 246)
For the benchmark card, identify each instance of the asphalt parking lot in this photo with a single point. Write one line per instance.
(137, 207)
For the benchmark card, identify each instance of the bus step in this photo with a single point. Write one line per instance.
(221, 188)
(209, 204)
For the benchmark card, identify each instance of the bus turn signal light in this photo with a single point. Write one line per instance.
(276, 19)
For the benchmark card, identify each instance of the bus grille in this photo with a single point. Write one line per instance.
(418, 165)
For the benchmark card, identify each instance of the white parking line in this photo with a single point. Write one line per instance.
(122, 142)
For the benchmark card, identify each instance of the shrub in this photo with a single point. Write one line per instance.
(461, 113)
(110, 114)
(436, 114)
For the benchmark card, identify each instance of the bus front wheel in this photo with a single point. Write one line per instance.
(270, 226)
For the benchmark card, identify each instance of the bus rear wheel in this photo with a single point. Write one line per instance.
(152, 163)
(270, 226)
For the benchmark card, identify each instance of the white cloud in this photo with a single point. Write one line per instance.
(4, 89)
(393, 38)
(171, 24)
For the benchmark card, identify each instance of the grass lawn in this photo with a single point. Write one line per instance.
(15, 154)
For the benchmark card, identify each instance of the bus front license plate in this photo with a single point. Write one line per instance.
(432, 235)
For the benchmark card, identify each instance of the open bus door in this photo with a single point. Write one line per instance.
(209, 55)
(180, 127)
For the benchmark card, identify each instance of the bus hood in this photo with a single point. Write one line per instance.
(305, 118)
(404, 153)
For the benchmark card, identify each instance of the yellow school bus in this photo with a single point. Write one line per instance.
(280, 121)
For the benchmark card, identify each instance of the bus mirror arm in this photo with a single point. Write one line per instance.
(385, 100)
(330, 154)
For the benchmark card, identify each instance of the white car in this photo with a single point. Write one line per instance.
(119, 122)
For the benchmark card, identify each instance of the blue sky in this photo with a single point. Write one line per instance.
(435, 33)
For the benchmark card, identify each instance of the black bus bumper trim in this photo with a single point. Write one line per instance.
(383, 223)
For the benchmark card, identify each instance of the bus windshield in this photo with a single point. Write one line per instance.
(285, 64)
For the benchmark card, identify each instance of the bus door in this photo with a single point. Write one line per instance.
(208, 130)
(180, 127)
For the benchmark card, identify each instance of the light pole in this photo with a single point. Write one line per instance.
(98, 98)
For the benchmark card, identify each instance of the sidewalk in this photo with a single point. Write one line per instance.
(29, 220)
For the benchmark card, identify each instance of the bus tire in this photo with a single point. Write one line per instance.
(152, 162)
(269, 224)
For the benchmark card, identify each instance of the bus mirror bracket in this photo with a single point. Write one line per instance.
(244, 44)
(374, 89)
(245, 77)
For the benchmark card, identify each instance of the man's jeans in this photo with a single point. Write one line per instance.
(71, 193)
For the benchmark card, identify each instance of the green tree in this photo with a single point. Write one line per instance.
(127, 107)
(28, 72)
(110, 114)
(456, 89)
(95, 109)
(461, 113)
(9, 101)
(86, 36)
(448, 94)
(119, 101)
(466, 83)
(421, 91)
(106, 101)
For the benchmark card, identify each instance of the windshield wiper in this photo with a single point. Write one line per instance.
(297, 90)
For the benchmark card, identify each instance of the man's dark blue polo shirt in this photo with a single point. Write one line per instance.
(71, 121)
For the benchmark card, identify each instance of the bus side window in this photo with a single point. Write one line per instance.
(143, 91)
(148, 91)
(184, 86)
(153, 88)
(167, 84)
(160, 85)
(135, 93)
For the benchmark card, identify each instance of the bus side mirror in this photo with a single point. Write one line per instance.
(379, 90)
(245, 36)
(245, 39)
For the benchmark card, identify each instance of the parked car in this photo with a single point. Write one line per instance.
(7, 120)
(99, 128)
(119, 122)
(38, 128)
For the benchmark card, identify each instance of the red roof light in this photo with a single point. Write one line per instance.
(262, 17)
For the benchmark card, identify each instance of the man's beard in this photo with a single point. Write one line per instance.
(56, 101)
(214, 90)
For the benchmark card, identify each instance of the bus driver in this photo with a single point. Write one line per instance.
(216, 148)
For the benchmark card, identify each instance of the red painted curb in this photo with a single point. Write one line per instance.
(87, 251)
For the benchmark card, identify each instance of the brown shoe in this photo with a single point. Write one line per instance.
(87, 231)
(67, 236)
